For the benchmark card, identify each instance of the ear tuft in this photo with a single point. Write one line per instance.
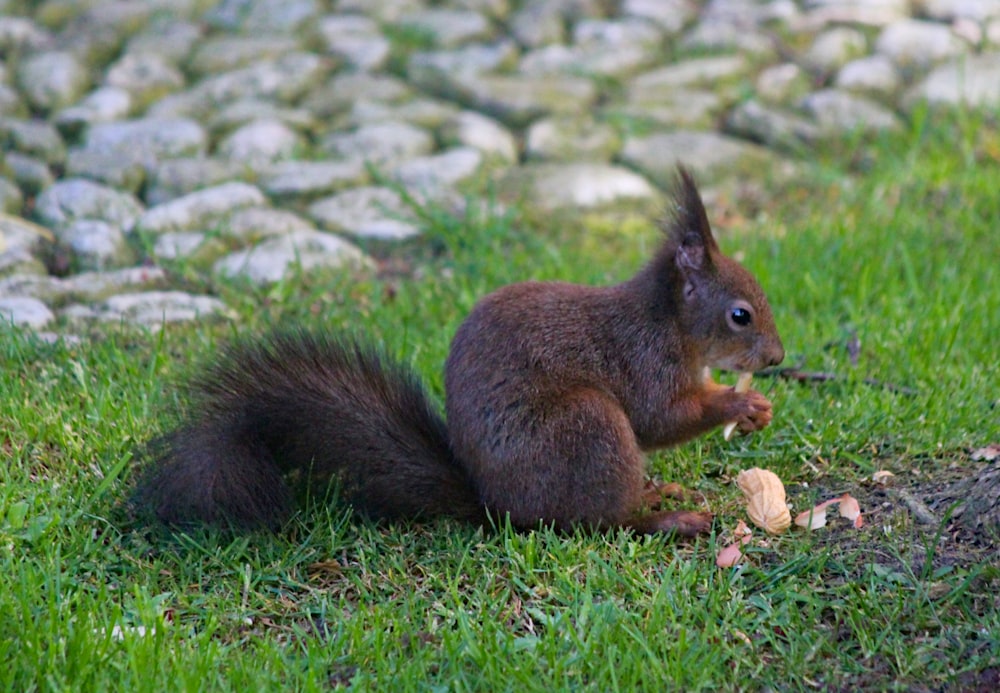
(688, 223)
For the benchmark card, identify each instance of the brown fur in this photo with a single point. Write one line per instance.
(553, 392)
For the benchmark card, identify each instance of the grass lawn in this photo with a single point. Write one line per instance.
(890, 245)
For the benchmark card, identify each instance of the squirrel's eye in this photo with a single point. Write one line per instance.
(741, 317)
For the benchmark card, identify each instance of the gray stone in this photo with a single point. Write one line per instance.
(382, 144)
(423, 113)
(35, 137)
(436, 71)
(662, 83)
(153, 309)
(223, 53)
(11, 103)
(275, 259)
(346, 89)
(380, 10)
(435, 174)
(613, 48)
(872, 13)
(147, 140)
(260, 142)
(21, 34)
(571, 139)
(31, 173)
(950, 10)
(616, 33)
(96, 245)
(588, 59)
(686, 108)
(108, 168)
(305, 179)
(373, 212)
(538, 24)
(969, 31)
(782, 83)
(120, 18)
(750, 13)
(177, 245)
(91, 43)
(147, 77)
(43, 287)
(448, 27)
(670, 15)
(93, 286)
(102, 105)
(71, 199)
(874, 74)
(257, 16)
(168, 37)
(918, 44)
(18, 261)
(840, 113)
(87, 286)
(518, 100)
(25, 312)
(971, 81)
(472, 129)
(577, 185)
(18, 233)
(356, 39)
(254, 223)
(708, 154)
(174, 178)
(244, 111)
(283, 79)
(772, 126)
(11, 198)
(710, 36)
(991, 35)
(200, 210)
(52, 80)
(834, 48)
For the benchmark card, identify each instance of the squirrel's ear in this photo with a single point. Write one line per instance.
(688, 226)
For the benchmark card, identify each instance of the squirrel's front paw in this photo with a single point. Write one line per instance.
(753, 412)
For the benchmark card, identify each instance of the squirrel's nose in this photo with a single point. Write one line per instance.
(777, 354)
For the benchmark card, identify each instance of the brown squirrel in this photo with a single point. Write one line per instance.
(553, 392)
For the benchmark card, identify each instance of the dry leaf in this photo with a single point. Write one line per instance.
(742, 386)
(765, 496)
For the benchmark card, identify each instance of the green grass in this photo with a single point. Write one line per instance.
(904, 255)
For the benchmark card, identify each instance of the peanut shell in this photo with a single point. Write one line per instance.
(765, 496)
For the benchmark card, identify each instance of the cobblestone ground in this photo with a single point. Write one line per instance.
(203, 126)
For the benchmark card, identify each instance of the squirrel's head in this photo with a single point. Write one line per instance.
(721, 305)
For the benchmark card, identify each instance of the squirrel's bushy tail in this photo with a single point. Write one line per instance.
(304, 408)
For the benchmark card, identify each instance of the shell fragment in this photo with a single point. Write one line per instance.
(742, 386)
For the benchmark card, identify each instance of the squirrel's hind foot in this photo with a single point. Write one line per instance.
(684, 523)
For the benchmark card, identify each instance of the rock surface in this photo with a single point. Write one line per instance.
(253, 136)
